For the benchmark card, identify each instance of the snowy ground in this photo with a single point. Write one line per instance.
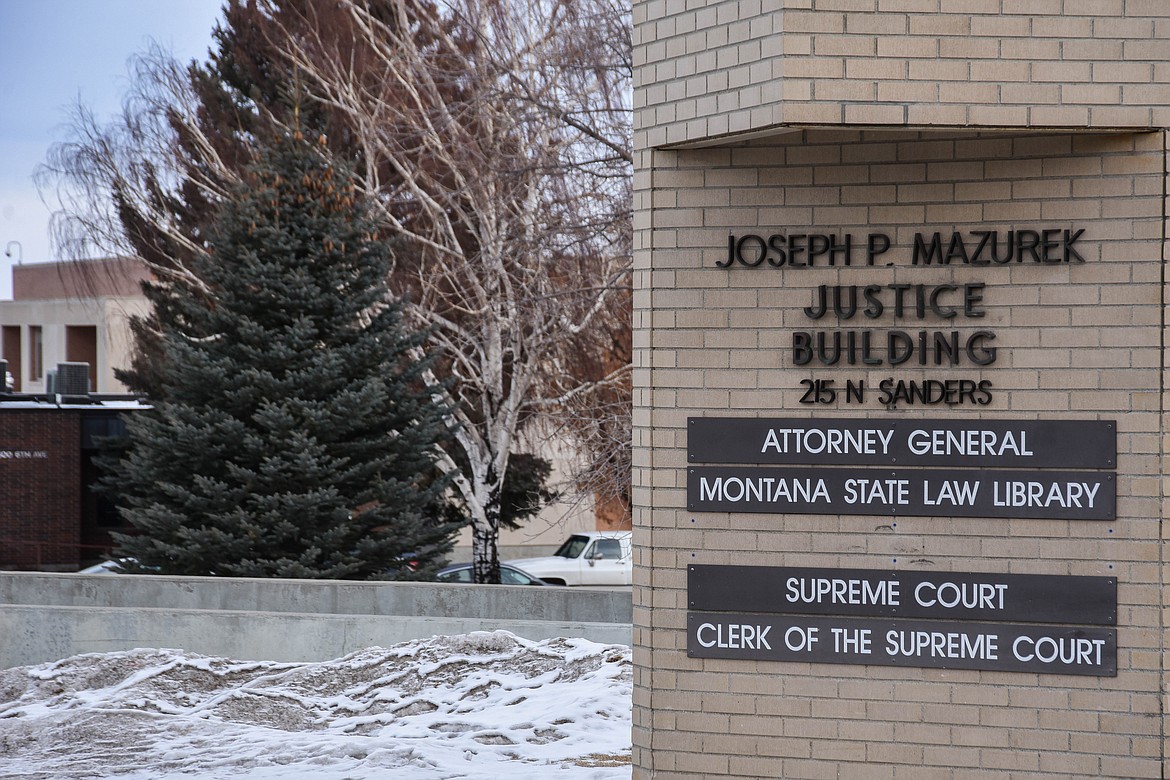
(483, 705)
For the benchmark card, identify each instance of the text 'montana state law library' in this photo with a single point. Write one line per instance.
(900, 422)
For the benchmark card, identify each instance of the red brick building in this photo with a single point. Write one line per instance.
(50, 517)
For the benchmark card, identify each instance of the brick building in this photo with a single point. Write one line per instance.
(71, 312)
(61, 313)
(874, 218)
(50, 517)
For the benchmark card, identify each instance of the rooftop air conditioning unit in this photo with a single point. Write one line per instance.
(72, 379)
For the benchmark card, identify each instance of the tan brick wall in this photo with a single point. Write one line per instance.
(1076, 341)
(705, 70)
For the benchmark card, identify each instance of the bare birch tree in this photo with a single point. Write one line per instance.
(503, 158)
(591, 56)
(112, 179)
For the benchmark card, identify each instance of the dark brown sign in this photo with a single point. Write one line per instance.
(1057, 495)
(913, 643)
(1065, 444)
(1031, 598)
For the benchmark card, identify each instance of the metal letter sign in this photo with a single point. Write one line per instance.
(918, 643)
(865, 616)
(994, 468)
(1064, 495)
(1065, 444)
(1028, 598)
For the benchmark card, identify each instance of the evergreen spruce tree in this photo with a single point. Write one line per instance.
(295, 437)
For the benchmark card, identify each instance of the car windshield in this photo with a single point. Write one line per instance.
(573, 547)
(514, 577)
(455, 575)
(508, 576)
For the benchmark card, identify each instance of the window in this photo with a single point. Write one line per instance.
(81, 347)
(514, 577)
(608, 550)
(36, 353)
(458, 575)
(12, 353)
(572, 547)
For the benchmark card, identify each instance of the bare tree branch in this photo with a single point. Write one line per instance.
(510, 194)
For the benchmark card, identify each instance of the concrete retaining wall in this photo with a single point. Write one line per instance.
(45, 617)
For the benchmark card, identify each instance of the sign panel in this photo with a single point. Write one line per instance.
(1084, 495)
(1066, 444)
(904, 594)
(885, 642)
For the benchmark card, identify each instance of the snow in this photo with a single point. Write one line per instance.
(477, 706)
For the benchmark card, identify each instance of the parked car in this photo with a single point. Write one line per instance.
(509, 575)
(590, 558)
(105, 567)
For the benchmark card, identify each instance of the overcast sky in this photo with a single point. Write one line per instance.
(53, 53)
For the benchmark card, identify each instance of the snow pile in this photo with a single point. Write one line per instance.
(483, 705)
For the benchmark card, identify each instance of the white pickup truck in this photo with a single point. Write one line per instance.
(588, 558)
